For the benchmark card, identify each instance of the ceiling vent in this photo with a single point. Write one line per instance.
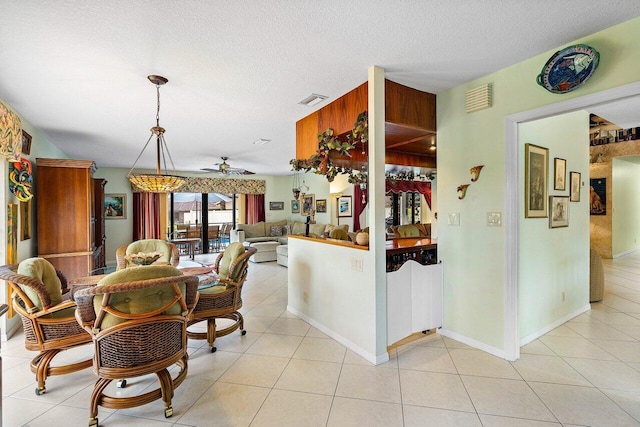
(479, 98)
(313, 99)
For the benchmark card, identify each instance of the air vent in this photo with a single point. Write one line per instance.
(479, 98)
(313, 99)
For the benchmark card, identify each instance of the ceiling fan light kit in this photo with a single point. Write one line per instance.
(225, 169)
(160, 182)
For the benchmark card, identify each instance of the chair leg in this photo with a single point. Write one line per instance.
(166, 387)
(211, 333)
(40, 366)
(96, 395)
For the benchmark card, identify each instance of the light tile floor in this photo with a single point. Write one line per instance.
(287, 373)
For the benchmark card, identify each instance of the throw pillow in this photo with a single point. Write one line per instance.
(286, 230)
(276, 230)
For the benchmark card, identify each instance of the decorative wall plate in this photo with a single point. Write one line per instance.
(569, 68)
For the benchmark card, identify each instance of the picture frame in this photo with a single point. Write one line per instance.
(598, 196)
(345, 209)
(26, 143)
(536, 176)
(115, 206)
(574, 186)
(559, 207)
(308, 204)
(559, 174)
(25, 220)
(295, 206)
(321, 206)
(276, 206)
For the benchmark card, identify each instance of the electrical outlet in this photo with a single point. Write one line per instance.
(494, 219)
(454, 218)
(356, 263)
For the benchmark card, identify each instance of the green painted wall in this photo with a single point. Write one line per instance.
(626, 205)
(555, 261)
(473, 253)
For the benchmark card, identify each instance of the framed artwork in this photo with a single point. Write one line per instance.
(26, 143)
(574, 186)
(560, 174)
(276, 206)
(559, 211)
(115, 206)
(344, 207)
(25, 220)
(598, 196)
(321, 205)
(536, 174)
(308, 204)
(295, 206)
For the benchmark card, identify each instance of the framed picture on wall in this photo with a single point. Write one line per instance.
(344, 207)
(536, 187)
(276, 206)
(26, 143)
(321, 205)
(308, 203)
(559, 211)
(574, 186)
(560, 174)
(295, 206)
(598, 196)
(115, 206)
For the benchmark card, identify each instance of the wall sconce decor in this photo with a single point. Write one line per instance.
(475, 172)
(462, 189)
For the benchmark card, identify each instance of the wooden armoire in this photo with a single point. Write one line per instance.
(70, 209)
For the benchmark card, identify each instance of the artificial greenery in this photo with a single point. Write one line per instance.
(320, 162)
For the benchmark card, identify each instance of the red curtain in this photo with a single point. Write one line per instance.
(146, 216)
(421, 187)
(359, 203)
(254, 208)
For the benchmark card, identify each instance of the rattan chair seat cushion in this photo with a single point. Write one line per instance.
(233, 251)
(141, 300)
(408, 230)
(42, 270)
(213, 290)
(151, 245)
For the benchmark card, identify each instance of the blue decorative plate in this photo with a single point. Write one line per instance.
(569, 68)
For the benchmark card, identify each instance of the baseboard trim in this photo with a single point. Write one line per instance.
(9, 333)
(376, 360)
(630, 251)
(526, 340)
(473, 343)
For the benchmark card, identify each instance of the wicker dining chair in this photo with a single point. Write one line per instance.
(170, 252)
(225, 299)
(137, 319)
(48, 319)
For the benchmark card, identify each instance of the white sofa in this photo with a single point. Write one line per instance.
(277, 231)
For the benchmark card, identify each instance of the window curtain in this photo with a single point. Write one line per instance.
(254, 208)
(146, 216)
(421, 187)
(359, 204)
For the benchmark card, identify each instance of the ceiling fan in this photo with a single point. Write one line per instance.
(225, 169)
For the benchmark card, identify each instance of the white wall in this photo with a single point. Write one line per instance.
(554, 261)
(626, 206)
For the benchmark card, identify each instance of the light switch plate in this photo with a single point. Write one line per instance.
(454, 218)
(494, 219)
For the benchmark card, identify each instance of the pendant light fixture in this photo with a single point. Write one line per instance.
(159, 182)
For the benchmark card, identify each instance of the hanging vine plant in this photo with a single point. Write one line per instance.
(320, 163)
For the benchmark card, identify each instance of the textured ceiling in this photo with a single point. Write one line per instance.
(77, 69)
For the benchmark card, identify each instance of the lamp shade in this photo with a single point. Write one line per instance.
(10, 133)
(154, 183)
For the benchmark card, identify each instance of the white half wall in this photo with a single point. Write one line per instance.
(626, 205)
